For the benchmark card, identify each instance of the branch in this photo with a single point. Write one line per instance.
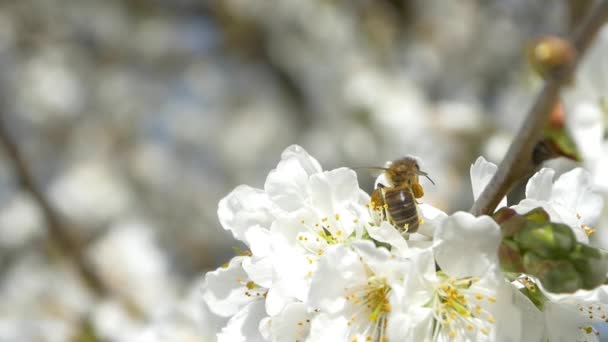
(60, 237)
(518, 160)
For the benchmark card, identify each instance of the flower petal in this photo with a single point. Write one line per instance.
(327, 328)
(387, 233)
(338, 268)
(286, 185)
(244, 325)
(431, 218)
(292, 324)
(481, 173)
(573, 190)
(243, 208)
(540, 185)
(466, 245)
(224, 289)
(414, 324)
(331, 190)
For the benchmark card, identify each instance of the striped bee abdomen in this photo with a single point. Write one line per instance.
(401, 206)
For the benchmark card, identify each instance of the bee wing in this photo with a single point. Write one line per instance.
(376, 172)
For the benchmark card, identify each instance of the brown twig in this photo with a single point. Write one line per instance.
(517, 161)
(56, 225)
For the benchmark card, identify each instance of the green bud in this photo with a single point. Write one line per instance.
(591, 263)
(510, 256)
(512, 223)
(503, 214)
(555, 275)
(537, 215)
(549, 240)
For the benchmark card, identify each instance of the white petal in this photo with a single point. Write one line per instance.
(338, 268)
(331, 190)
(412, 325)
(573, 190)
(293, 324)
(600, 169)
(223, 289)
(586, 126)
(466, 245)
(481, 173)
(327, 328)
(309, 164)
(540, 185)
(563, 322)
(276, 301)
(533, 323)
(380, 261)
(431, 218)
(244, 325)
(243, 208)
(258, 240)
(506, 312)
(423, 277)
(291, 268)
(259, 270)
(286, 185)
(387, 233)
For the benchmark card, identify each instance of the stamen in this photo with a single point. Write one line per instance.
(456, 309)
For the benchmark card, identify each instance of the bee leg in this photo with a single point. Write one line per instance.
(417, 190)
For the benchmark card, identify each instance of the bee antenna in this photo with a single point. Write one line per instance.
(422, 173)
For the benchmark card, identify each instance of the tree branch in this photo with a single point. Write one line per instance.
(66, 244)
(518, 159)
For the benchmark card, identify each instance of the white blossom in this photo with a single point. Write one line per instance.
(352, 288)
(586, 105)
(570, 200)
(468, 299)
(481, 173)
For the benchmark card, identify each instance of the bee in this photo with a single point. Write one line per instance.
(399, 196)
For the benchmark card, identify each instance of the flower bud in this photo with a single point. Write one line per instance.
(551, 54)
(548, 240)
(510, 257)
(555, 275)
(592, 265)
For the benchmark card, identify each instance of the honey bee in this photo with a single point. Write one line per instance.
(399, 196)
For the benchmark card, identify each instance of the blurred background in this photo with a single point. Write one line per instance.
(124, 122)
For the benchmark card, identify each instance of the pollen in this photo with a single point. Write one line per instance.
(458, 310)
(588, 230)
(371, 305)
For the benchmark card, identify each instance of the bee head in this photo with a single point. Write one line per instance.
(404, 171)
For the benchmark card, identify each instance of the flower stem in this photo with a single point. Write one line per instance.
(518, 161)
